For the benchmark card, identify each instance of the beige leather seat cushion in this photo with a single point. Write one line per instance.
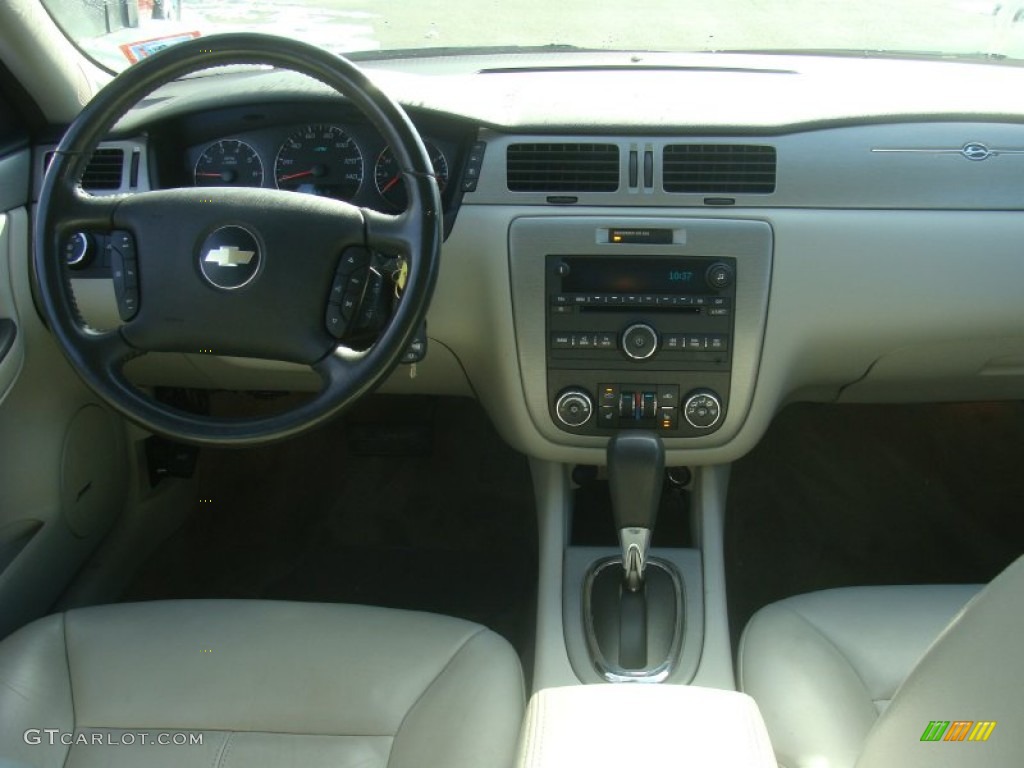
(264, 683)
(822, 667)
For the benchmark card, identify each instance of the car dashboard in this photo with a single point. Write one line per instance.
(681, 243)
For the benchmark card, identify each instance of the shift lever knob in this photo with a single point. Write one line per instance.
(636, 466)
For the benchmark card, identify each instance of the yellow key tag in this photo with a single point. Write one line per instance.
(402, 275)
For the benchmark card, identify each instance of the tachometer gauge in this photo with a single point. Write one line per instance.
(320, 160)
(229, 163)
(389, 179)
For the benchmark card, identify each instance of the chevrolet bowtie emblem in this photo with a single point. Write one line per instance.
(230, 256)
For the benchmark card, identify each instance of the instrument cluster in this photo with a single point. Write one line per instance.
(342, 161)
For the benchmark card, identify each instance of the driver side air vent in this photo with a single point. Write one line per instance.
(544, 167)
(719, 168)
(104, 170)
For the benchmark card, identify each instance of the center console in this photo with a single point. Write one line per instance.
(639, 323)
(609, 726)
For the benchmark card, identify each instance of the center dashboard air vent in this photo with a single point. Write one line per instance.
(549, 167)
(719, 168)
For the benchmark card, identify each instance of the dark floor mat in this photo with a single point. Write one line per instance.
(846, 495)
(408, 502)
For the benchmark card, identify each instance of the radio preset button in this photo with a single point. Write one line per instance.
(672, 342)
(718, 343)
(639, 341)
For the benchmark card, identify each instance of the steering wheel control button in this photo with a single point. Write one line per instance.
(230, 257)
(639, 341)
(574, 408)
(719, 276)
(124, 270)
(702, 410)
(79, 250)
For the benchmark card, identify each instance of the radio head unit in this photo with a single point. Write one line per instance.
(639, 342)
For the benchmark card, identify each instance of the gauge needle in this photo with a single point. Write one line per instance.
(211, 175)
(300, 174)
(390, 184)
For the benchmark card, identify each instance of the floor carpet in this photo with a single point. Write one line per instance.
(410, 502)
(856, 494)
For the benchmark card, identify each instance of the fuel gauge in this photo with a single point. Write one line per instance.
(389, 180)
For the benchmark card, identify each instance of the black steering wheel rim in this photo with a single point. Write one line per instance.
(63, 208)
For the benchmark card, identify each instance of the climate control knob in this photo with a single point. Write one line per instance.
(639, 341)
(702, 409)
(574, 407)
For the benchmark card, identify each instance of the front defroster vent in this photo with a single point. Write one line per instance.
(546, 167)
(719, 169)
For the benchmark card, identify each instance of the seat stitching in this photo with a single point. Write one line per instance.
(430, 685)
(818, 631)
(222, 753)
(71, 685)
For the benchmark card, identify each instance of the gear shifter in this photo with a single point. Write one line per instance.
(636, 467)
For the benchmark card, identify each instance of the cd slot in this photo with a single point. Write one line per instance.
(606, 308)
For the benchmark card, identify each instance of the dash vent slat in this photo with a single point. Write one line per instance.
(551, 167)
(104, 170)
(719, 168)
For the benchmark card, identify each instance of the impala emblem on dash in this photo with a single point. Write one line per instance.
(230, 257)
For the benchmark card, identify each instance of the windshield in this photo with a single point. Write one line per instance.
(119, 32)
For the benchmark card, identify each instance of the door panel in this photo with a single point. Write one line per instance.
(63, 468)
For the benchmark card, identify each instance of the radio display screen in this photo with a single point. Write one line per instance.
(635, 275)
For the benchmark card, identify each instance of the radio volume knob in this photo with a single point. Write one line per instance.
(702, 409)
(574, 407)
(639, 341)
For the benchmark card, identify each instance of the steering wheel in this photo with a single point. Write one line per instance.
(247, 272)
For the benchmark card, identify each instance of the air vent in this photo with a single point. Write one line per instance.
(719, 169)
(563, 167)
(104, 170)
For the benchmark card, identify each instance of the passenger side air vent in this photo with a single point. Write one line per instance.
(721, 169)
(563, 167)
(104, 170)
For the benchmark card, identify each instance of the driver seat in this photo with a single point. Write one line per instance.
(891, 677)
(261, 683)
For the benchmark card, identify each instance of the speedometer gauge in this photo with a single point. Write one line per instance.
(388, 177)
(229, 163)
(320, 160)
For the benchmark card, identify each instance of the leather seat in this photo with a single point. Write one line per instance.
(262, 683)
(853, 677)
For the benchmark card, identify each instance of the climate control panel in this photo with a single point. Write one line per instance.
(656, 407)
